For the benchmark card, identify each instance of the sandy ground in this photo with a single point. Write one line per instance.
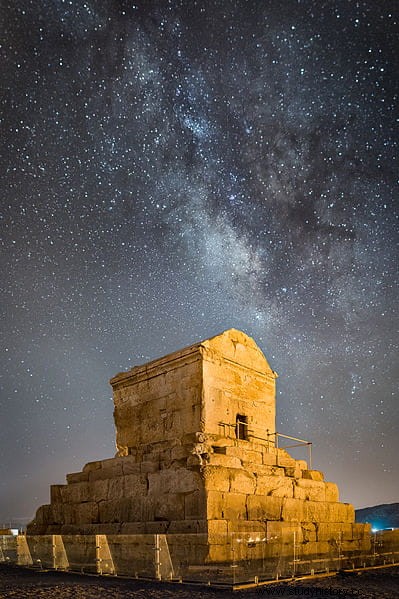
(20, 583)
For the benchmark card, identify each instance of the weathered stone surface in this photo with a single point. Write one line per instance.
(249, 456)
(284, 460)
(317, 511)
(215, 478)
(86, 512)
(225, 461)
(195, 505)
(55, 493)
(135, 485)
(335, 532)
(362, 531)
(277, 486)
(77, 477)
(311, 490)
(130, 465)
(313, 475)
(332, 493)
(98, 490)
(235, 507)
(110, 470)
(309, 532)
(75, 493)
(92, 466)
(117, 510)
(293, 510)
(242, 481)
(260, 507)
(169, 507)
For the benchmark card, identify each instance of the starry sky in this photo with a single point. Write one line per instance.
(172, 169)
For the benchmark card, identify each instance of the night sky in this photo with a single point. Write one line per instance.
(174, 169)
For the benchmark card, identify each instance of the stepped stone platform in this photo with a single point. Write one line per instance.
(197, 461)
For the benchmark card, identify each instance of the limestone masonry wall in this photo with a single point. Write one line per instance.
(196, 454)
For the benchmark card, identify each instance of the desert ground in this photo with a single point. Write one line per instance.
(21, 583)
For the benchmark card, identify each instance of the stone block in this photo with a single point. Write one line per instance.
(309, 532)
(116, 488)
(242, 481)
(57, 510)
(317, 511)
(214, 505)
(350, 512)
(43, 515)
(245, 455)
(133, 528)
(116, 511)
(130, 465)
(135, 485)
(313, 475)
(215, 478)
(302, 465)
(235, 507)
(69, 515)
(262, 507)
(86, 513)
(363, 530)
(290, 471)
(217, 532)
(55, 493)
(261, 469)
(91, 466)
(292, 510)
(224, 460)
(146, 467)
(98, 490)
(180, 480)
(269, 459)
(332, 493)
(297, 470)
(309, 489)
(276, 471)
(334, 532)
(169, 507)
(77, 477)
(285, 461)
(193, 527)
(113, 468)
(75, 493)
(277, 486)
(194, 505)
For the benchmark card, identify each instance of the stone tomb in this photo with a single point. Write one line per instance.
(197, 460)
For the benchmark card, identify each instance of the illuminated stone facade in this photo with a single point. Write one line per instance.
(196, 454)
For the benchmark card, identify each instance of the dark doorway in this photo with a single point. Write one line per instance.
(242, 427)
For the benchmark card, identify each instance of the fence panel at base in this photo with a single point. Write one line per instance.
(41, 550)
(8, 548)
(219, 559)
(80, 552)
(132, 555)
(61, 561)
(24, 557)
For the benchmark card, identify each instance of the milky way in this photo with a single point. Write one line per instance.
(174, 169)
